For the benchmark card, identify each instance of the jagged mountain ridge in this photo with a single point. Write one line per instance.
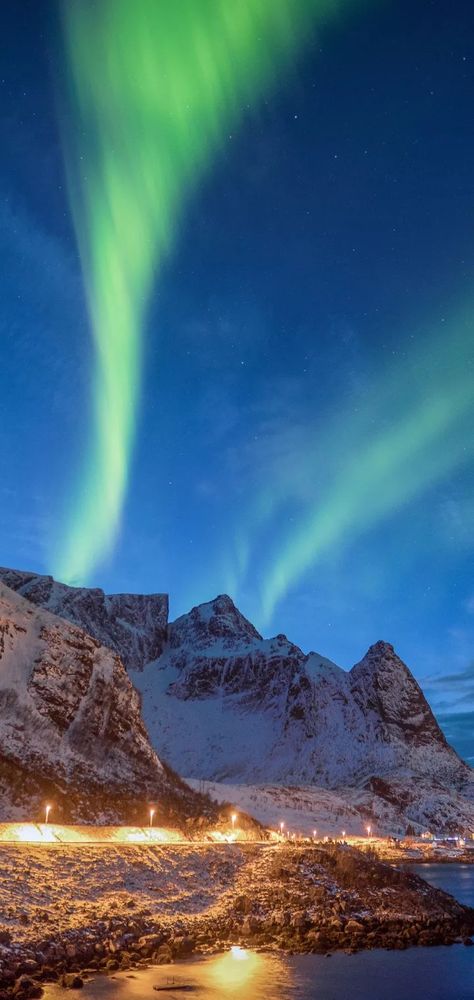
(260, 710)
(253, 712)
(225, 705)
(134, 625)
(71, 725)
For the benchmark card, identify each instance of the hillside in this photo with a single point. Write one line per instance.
(71, 730)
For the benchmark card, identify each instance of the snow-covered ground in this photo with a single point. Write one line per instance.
(60, 888)
(420, 804)
(301, 810)
(64, 902)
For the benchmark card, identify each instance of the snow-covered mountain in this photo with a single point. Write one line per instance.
(259, 710)
(71, 729)
(134, 625)
(225, 705)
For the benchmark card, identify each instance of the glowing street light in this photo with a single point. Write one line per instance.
(369, 830)
(152, 813)
(281, 827)
(315, 833)
(233, 818)
(343, 834)
(47, 811)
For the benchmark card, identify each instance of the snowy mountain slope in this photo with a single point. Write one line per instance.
(70, 724)
(260, 711)
(421, 804)
(301, 809)
(134, 625)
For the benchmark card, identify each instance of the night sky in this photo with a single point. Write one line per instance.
(303, 435)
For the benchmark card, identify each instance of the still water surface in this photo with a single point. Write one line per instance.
(415, 974)
(456, 879)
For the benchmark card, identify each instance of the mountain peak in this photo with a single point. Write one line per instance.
(381, 648)
(222, 703)
(380, 655)
(384, 684)
(217, 622)
(223, 603)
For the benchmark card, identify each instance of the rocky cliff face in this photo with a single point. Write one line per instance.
(134, 625)
(71, 726)
(389, 696)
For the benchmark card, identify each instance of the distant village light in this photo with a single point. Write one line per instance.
(46, 813)
(233, 818)
(315, 833)
(369, 828)
(343, 834)
(152, 813)
(281, 827)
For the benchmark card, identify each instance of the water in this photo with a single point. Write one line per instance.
(456, 879)
(416, 974)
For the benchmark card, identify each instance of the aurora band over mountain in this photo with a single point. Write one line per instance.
(152, 90)
(412, 432)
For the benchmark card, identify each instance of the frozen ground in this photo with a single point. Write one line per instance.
(52, 889)
(305, 808)
(302, 810)
(55, 888)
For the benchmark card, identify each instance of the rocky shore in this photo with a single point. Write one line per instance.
(406, 852)
(68, 913)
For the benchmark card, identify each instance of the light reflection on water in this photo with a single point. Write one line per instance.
(430, 973)
(236, 969)
(234, 975)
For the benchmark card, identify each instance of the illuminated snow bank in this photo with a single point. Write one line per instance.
(53, 833)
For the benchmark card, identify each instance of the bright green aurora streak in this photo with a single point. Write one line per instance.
(154, 86)
(414, 430)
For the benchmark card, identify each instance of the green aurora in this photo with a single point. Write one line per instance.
(412, 431)
(154, 86)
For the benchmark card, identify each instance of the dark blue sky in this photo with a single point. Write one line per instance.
(320, 285)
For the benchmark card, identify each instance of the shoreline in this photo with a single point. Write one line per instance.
(129, 908)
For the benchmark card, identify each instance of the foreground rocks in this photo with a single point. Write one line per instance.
(90, 910)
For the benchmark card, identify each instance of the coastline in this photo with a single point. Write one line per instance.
(415, 852)
(69, 912)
